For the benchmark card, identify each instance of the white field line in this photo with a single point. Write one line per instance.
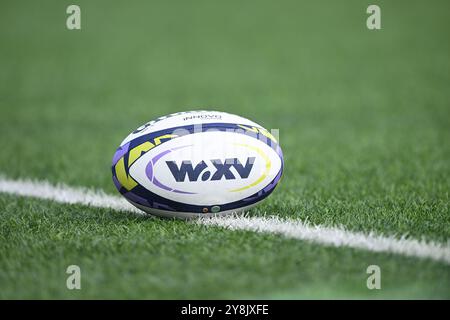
(65, 194)
(294, 229)
(336, 237)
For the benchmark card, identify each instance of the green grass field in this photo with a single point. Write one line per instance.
(364, 120)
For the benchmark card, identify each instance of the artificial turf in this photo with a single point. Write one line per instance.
(364, 121)
(125, 256)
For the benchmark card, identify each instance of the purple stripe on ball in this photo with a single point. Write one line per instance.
(159, 184)
(117, 183)
(120, 152)
(135, 198)
(149, 171)
(182, 192)
(274, 183)
(160, 155)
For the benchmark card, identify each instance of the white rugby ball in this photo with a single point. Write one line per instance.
(196, 164)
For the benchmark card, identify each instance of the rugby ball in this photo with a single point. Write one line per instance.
(196, 164)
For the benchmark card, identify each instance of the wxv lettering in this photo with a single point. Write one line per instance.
(222, 169)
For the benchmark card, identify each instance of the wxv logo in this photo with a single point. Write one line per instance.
(222, 169)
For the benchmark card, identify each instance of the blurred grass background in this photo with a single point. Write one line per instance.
(363, 118)
(363, 115)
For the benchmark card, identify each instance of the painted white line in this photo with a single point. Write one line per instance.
(336, 237)
(65, 194)
(294, 229)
